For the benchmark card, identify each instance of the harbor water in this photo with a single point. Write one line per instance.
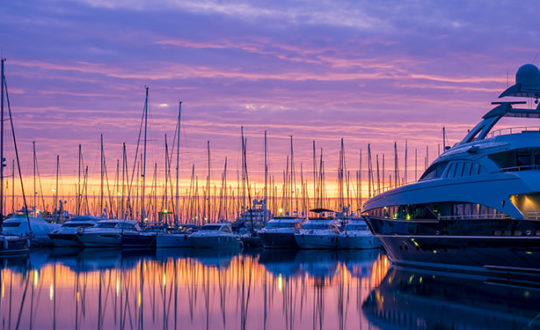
(205, 289)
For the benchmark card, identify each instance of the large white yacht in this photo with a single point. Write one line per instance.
(177, 238)
(279, 232)
(356, 235)
(108, 233)
(215, 235)
(321, 231)
(67, 234)
(38, 230)
(477, 206)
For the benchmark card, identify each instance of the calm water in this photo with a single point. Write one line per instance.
(182, 289)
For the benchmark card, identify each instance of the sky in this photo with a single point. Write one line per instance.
(373, 72)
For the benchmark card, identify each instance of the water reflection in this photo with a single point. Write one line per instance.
(427, 300)
(185, 289)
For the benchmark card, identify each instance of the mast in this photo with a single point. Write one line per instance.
(2, 83)
(396, 170)
(177, 204)
(124, 165)
(314, 175)
(265, 175)
(78, 183)
(207, 202)
(13, 185)
(101, 182)
(405, 174)
(143, 212)
(165, 200)
(56, 190)
(34, 165)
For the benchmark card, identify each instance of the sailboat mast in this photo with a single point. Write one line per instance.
(101, 181)
(2, 83)
(265, 174)
(56, 190)
(143, 212)
(78, 183)
(176, 203)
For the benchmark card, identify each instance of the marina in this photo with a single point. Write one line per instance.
(288, 165)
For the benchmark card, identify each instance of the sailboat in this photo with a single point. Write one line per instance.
(10, 244)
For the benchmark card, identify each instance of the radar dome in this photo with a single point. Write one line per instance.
(528, 76)
(527, 82)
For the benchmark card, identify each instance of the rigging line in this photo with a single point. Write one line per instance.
(535, 56)
(17, 155)
(40, 185)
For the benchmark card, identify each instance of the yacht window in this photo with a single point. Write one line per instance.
(524, 159)
(11, 224)
(451, 168)
(74, 225)
(226, 229)
(210, 227)
(434, 171)
(459, 169)
(106, 225)
(467, 169)
(126, 226)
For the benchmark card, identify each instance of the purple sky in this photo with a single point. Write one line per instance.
(370, 72)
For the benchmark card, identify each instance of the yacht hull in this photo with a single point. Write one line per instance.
(13, 245)
(496, 246)
(173, 241)
(68, 240)
(316, 241)
(219, 242)
(353, 241)
(139, 240)
(278, 240)
(101, 239)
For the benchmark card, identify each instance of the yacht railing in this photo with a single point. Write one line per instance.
(474, 217)
(520, 168)
(533, 215)
(514, 130)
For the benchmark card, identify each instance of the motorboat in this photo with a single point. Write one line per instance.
(279, 232)
(67, 234)
(476, 207)
(321, 231)
(108, 233)
(37, 228)
(356, 235)
(215, 235)
(176, 238)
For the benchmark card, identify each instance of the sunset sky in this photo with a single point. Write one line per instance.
(368, 71)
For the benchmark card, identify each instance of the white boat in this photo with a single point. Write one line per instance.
(319, 232)
(476, 207)
(178, 238)
(67, 234)
(108, 233)
(38, 230)
(356, 235)
(215, 235)
(279, 232)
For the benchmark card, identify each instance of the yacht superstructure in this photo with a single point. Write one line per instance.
(279, 232)
(319, 232)
(476, 207)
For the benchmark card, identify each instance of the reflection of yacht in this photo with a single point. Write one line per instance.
(39, 229)
(319, 232)
(319, 264)
(359, 262)
(279, 232)
(407, 299)
(66, 235)
(215, 235)
(356, 235)
(213, 258)
(280, 262)
(477, 206)
(108, 233)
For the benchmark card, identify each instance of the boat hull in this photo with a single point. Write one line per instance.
(101, 239)
(272, 240)
(173, 241)
(13, 245)
(353, 241)
(139, 240)
(316, 241)
(467, 245)
(68, 240)
(218, 242)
